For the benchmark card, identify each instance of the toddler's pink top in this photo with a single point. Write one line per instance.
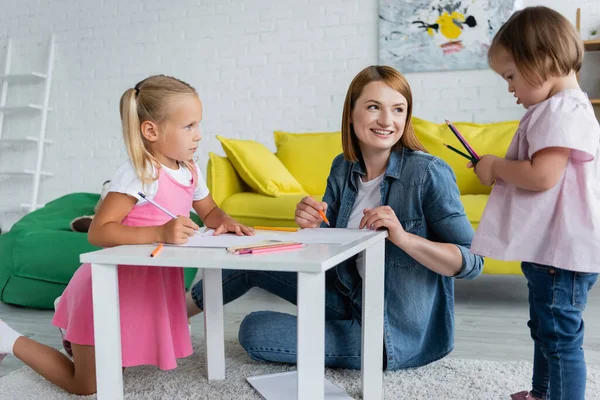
(560, 226)
(154, 327)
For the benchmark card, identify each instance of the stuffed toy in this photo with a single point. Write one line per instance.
(82, 224)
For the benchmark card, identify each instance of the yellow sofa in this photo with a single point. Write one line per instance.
(258, 187)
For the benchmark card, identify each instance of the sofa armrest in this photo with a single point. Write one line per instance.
(222, 179)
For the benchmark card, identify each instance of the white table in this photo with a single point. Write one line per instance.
(310, 263)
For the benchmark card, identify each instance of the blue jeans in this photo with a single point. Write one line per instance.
(557, 298)
(272, 336)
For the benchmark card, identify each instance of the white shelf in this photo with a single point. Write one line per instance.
(28, 206)
(27, 139)
(27, 107)
(30, 77)
(19, 208)
(25, 172)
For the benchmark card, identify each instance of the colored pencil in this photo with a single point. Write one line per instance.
(155, 204)
(271, 249)
(462, 140)
(322, 214)
(276, 228)
(157, 250)
(468, 157)
(261, 245)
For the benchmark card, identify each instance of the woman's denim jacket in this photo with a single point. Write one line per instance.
(419, 303)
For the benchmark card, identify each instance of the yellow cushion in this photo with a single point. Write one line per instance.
(491, 138)
(260, 168)
(308, 156)
(259, 210)
(221, 178)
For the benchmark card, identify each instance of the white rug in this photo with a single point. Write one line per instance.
(446, 379)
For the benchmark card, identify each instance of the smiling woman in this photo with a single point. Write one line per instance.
(383, 180)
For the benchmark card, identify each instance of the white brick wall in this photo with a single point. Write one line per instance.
(259, 65)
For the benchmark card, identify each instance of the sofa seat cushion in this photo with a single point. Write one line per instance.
(257, 209)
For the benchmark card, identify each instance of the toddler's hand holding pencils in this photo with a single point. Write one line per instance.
(484, 169)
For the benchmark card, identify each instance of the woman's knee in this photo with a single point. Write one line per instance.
(267, 331)
(252, 334)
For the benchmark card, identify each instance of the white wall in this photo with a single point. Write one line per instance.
(259, 65)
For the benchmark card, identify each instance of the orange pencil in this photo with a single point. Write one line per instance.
(324, 217)
(157, 250)
(322, 214)
(276, 228)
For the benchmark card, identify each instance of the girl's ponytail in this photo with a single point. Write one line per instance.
(132, 134)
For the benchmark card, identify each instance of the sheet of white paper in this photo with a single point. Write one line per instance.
(284, 386)
(227, 239)
(335, 236)
(339, 236)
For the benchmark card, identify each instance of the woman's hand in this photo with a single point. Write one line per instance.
(178, 231)
(484, 169)
(231, 225)
(384, 217)
(307, 212)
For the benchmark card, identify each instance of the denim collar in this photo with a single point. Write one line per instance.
(393, 169)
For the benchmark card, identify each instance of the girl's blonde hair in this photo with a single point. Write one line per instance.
(149, 100)
(542, 43)
(395, 80)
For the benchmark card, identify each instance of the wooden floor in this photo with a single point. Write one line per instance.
(491, 315)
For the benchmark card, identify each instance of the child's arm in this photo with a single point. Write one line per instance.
(215, 218)
(106, 229)
(540, 173)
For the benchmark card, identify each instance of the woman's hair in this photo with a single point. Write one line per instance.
(542, 43)
(395, 80)
(149, 100)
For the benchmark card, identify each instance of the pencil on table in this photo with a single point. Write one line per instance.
(276, 228)
(157, 250)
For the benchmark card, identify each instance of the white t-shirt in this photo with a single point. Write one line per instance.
(126, 181)
(368, 196)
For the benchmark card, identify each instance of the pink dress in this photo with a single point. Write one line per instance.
(154, 327)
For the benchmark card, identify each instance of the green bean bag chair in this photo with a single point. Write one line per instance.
(40, 253)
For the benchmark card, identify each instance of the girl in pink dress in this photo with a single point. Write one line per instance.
(544, 209)
(161, 118)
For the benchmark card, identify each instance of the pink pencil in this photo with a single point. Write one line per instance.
(462, 140)
(272, 249)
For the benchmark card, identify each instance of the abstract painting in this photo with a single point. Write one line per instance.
(439, 35)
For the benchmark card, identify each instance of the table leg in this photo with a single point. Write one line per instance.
(214, 335)
(372, 321)
(311, 336)
(107, 332)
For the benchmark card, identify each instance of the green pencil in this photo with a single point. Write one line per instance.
(468, 157)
